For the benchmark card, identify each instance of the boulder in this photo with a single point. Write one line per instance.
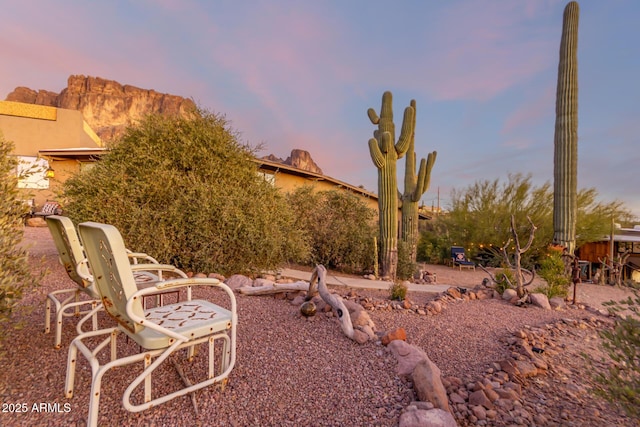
(427, 383)
(540, 300)
(36, 221)
(509, 294)
(427, 418)
(557, 303)
(407, 355)
(238, 281)
(262, 282)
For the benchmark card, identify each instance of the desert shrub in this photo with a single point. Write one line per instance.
(406, 267)
(338, 225)
(552, 270)
(433, 244)
(619, 383)
(397, 291)
(504, 280)
(15, 274)
(186, 191)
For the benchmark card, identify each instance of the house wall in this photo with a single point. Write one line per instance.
(32, 128)
(289, 182)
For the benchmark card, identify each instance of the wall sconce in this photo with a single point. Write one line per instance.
(50, 173)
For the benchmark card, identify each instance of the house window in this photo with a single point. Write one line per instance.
(85, 166)
(269, 177)
(31, 172)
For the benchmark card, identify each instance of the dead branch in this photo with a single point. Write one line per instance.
(187, 383)
(318, 285)
(274, 288)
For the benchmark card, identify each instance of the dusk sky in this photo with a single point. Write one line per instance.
(302, 74)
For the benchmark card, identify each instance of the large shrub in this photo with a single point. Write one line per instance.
(339, 226)
(619, 382)
(15, 274)
(186, 191)
(552, 271)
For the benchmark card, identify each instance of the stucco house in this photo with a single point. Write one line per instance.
(60, 143)
(50, 142)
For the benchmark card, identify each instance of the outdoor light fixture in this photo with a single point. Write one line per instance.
(50, 173)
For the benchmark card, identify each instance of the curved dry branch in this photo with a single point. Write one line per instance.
(318, 284)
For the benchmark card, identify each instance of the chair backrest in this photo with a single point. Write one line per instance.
(111, 270)
(69, 247)
(457, 253)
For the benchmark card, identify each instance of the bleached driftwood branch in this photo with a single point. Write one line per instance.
(274, 288)
(318, 285)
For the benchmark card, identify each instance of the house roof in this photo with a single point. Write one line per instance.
(277, 166)
(269, 165)
(72, 153)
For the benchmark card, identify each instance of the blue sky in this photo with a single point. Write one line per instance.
(302, 74)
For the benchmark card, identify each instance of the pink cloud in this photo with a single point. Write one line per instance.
(480, 49)
(531, 112)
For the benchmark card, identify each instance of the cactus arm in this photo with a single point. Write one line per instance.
(376, 154)
(373, 116)
(424, 176)
(408, 123)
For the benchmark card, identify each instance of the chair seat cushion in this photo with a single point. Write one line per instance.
(192, 319)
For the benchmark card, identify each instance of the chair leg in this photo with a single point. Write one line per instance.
(61, 313)
(47, 316)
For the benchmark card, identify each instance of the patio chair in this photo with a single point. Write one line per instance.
(158, 331)
(459, 259)
(68, 302)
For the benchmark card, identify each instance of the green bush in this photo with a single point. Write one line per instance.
(552, 270)
(398, 291)
(187, 192)
(339, 227)
(15, 274)
(406, 267)
(505, 279)
(620, 382)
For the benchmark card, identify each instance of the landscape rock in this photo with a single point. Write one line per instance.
(427, 383)
(540, 300)
(36, 221)
(557, 303)
(509, 294)
(238, 281)
(407, 355)
(262, 282)
(396, 334)
(427, 418)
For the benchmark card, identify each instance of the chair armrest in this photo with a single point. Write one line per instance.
(135, 256)
(159, 268)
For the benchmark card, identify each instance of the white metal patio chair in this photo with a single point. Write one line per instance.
(158, 331)
(69, 302)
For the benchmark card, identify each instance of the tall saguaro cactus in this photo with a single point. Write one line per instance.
(414, 187)
(385, 153)
(565, 159)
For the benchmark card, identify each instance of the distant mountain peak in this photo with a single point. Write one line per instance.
(107, 106)
(299, 159)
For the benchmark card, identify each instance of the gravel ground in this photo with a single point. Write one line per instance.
(290, 371)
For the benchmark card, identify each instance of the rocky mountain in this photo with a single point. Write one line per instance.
(106, 105)
(300, 159)
(109, 107)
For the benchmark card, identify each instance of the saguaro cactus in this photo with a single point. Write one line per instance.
(565, 159)
(385, 153)
(414, 187)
